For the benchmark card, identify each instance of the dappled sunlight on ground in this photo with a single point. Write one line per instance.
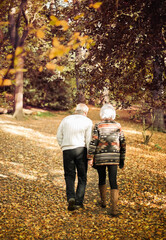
(48, 141)
(131, 132)
(3, 176)
(35, 138)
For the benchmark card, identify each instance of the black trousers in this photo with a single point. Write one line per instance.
(75, 160)
(112, 175)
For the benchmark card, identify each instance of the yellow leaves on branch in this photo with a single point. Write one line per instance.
(76, 41)
(58, 50)
(62, 23)
(95, 5)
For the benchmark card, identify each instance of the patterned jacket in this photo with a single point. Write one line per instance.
(108, 144)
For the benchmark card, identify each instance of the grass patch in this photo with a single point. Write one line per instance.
(45, 114)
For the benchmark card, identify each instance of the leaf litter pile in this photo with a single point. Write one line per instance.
(33, 199)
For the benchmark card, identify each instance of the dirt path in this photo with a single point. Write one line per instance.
(33, 200)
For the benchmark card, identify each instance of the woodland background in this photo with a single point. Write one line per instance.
(57, 53)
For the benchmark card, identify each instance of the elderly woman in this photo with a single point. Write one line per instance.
(107, 151)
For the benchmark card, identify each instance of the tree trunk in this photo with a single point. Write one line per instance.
(80, 91)
(18, 98)
(18, 19)
(159, 123)
(158, 93)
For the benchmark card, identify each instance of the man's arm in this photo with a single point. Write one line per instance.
(59, 135)
(88, 135)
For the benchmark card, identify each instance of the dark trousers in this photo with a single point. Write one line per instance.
(75, 159)
(112, 175)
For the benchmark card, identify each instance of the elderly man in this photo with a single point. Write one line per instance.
(73, 136)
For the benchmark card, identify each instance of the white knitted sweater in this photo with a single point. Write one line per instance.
(74, 131)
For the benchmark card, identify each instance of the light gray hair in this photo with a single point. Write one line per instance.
(81, 108)
(107, 112)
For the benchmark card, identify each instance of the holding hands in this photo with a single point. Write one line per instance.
(90, 162)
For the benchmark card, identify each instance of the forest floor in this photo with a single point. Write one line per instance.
(33, 199)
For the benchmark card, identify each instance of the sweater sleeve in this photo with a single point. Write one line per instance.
(59, 135)
(93, 142)
(88, 135)
(122, 147)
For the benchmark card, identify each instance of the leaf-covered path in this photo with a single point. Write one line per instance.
(33, 200)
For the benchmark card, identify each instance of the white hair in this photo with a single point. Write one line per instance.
(81, 107)
(107, 112)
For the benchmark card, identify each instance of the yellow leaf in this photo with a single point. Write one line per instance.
(90, 40)
(87, 45)
(64, 25)
(56, 52)
(40, 69)
(18, 51)
(75, 35)
(75, 46)
(62, 38)
(79, 16)
(12, 71)
(4, 23)
(53, 20)
(83, 40)
(56, 42)
(59, 51)
(59, 68)
(57, 22)
(50, 66)
(3, 72)
(9, 56)
(40, 33)
(5, 82)
(95, 5)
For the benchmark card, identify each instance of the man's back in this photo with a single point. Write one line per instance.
(74, 131)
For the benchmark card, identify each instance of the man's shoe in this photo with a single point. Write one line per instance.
(71, 205)
(78, 206)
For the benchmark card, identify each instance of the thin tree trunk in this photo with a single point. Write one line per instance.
(158, 94)
(17, 41)
(18, 98)
(159, 123)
